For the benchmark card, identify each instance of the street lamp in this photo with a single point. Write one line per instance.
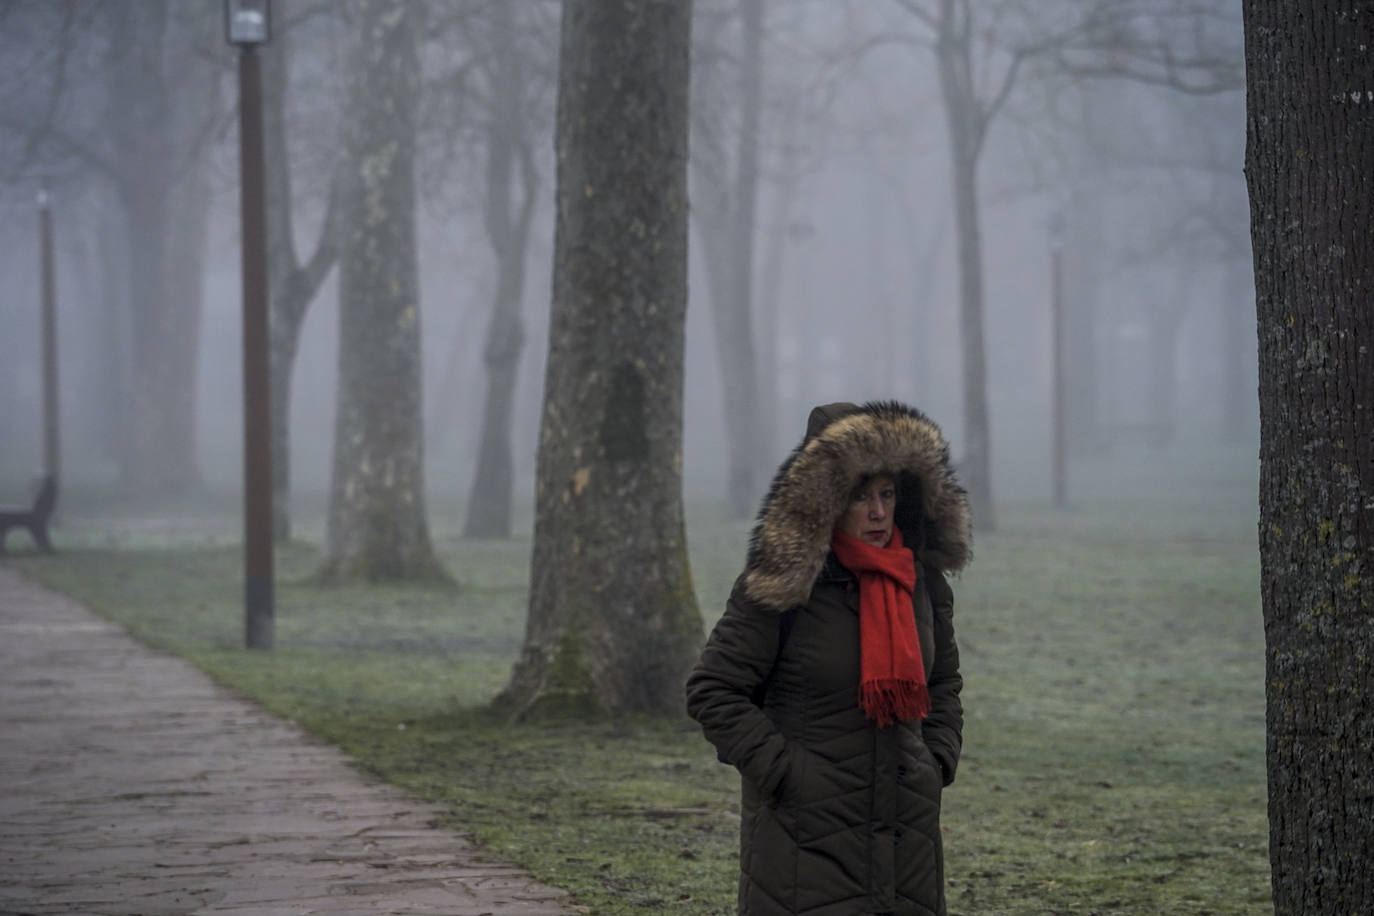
(1059, 459)
(247, 24)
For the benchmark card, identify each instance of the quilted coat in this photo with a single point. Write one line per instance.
(839, 817)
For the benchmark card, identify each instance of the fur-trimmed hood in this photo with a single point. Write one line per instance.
(844, 444)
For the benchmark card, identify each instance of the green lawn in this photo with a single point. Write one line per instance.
(1114, 748)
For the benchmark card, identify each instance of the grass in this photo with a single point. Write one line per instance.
(1114, 747)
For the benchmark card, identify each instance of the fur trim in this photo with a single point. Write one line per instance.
(791, 536)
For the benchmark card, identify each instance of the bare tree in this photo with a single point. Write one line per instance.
(613, 623)
(165, 106)
(966, 42)
(131, 93)
(378, 528)
(982, 50)
(293, 284)
(1309, 159)
(512, 183)
(725, 201)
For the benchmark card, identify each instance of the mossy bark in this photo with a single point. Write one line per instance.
(613, 623)
(378, 528)
(1309, 164)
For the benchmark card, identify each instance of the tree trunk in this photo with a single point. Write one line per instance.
(770, 405)
(728, 209)
(378, 529)
(1309, 159)
(158, 137)
(168, 228)
(1165, 321)
(1084, 254)
(292, 286)
(966, 125)
(489, 501)
(613, 624)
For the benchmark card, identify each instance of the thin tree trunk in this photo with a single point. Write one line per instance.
(613, 624)
(1309, 159)
(1165, 321)
(1084, 251)
(378, 528)
(165, 196)
(965, 122)
(728, 212)
(489, 501)
(292, 285)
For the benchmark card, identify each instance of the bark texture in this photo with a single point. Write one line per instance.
(510, 164)
(1310, 168)
(613, 624)
(378, 528)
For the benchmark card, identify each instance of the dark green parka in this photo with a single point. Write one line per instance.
(839, 817)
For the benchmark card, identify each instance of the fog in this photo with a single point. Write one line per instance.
(855, 275)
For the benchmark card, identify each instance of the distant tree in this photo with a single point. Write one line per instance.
(293, 284)
(613, 623)
(378, 528)
(131, 93)
(725, 187)
(965, 41)
(512, 183)
(164, 106)
(1309, 162)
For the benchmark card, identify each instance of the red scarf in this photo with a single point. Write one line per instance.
(892, 675)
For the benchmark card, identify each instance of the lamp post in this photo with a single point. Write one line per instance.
(247, 24)
(52, 456)
(1059, 455)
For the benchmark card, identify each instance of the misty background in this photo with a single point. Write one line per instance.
(855, 281)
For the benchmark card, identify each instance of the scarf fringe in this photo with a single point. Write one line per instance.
(887, 700)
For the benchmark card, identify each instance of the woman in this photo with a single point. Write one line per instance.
(832, 680)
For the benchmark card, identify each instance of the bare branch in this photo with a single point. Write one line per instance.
(920, 12)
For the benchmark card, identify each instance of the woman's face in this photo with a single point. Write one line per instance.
(869, 516)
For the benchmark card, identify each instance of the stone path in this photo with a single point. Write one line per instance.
(130, 783)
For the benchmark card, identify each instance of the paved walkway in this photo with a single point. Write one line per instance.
(129, 783)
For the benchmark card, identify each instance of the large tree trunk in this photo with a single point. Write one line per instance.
(1309, 164)
(378, 528)
(508, 230)
(966, 124)
(292, 285)
(613, 624)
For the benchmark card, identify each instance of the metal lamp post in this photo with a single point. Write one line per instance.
(247, 24)
(1059, 458)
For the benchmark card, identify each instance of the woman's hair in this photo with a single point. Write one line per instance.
(910, 514)
(866, 479)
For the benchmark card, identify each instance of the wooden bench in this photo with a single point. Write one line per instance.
(34, 518)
